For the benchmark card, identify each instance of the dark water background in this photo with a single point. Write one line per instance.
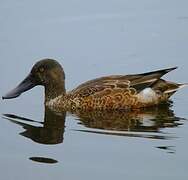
(92, 39)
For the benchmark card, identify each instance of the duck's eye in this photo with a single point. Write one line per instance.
(41, 69)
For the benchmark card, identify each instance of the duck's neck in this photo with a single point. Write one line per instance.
(53, 90)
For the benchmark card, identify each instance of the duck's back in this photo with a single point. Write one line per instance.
(123, 92)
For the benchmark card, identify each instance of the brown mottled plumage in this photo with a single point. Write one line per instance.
(105, 93)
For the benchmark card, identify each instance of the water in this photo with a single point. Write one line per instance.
(92, 39)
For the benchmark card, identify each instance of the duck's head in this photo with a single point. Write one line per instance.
(46, 72)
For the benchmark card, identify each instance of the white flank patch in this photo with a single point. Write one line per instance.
(147, 95)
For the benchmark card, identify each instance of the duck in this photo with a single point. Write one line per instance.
(114, 92)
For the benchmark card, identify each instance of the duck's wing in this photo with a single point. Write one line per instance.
(142, 81)
(137, 82)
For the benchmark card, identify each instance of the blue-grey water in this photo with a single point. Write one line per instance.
(92, 39)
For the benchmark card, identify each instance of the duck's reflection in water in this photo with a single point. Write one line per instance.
(51, 131)
(146, 123)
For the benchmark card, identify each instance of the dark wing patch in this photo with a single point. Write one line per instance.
(142, 81)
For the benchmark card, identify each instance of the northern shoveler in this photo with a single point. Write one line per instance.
(106, 93)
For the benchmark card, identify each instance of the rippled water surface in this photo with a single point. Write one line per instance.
(92, 39)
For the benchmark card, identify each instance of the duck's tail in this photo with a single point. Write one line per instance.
(173, 87)
(167, 87)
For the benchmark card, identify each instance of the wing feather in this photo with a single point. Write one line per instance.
(136, 81)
